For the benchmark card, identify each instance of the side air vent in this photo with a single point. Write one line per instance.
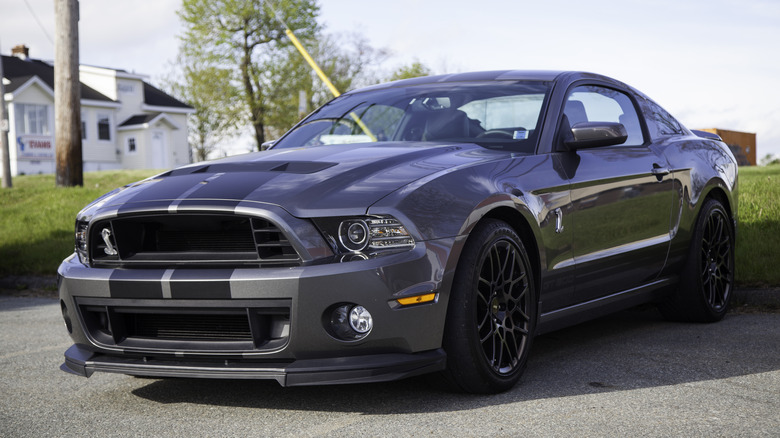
(272, 245)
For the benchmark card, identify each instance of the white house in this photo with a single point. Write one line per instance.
(126, 123)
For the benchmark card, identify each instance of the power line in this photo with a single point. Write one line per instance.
(39, 22)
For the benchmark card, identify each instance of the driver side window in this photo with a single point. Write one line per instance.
(590, 103)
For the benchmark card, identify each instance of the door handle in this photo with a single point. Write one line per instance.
(660, 171)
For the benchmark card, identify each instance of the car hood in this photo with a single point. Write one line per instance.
(316, 181)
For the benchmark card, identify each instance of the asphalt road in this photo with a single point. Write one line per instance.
(631, 374)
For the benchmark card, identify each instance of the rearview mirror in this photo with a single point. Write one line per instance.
(596, 134)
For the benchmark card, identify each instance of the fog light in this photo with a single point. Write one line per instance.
(348, 322)
(360, 319)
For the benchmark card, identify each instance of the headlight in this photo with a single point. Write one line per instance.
(366, 236)
(81, 241)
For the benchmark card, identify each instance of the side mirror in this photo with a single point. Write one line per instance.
(265, 146)
(595, 134)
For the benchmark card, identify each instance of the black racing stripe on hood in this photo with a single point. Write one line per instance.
(230, 185)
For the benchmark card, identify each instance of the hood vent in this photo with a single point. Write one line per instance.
(299, 167)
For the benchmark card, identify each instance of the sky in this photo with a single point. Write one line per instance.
(711, 63)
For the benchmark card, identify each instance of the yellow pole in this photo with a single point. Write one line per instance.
(311, 62)
(325, 79)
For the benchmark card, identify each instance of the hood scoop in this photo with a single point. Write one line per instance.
(299, 167)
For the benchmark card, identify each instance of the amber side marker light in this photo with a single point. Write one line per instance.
(417, 299)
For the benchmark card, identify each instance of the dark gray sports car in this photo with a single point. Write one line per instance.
(429, 225)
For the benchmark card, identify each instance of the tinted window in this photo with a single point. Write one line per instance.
(659, 122)
(598, 104)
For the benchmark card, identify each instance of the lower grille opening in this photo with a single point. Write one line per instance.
(183, 325)
(189, 327)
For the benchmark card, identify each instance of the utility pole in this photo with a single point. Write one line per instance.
(4, 150)
(67, 94)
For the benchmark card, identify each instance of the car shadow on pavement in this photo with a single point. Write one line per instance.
(629, 350)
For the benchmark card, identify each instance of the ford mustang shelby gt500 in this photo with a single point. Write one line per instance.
(434, 224)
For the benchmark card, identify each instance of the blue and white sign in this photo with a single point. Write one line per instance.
(35, 147)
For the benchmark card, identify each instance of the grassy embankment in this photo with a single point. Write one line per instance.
(36, 223)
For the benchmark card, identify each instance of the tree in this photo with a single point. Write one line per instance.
(217, 103)
(241, 36)
(413, 70)
(769, 160)
(349, 61)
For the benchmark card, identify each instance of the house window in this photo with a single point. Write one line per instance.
(32, 119)
(104, 127)
(83, 126)
(131, 145)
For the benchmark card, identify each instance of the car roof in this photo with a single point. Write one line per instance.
(496, 75)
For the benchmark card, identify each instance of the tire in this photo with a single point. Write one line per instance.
(707, 280)
(491, 315)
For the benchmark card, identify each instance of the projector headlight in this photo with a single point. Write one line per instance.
(368, 236)
(81, 241)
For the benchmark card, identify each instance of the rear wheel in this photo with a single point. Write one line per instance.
(707, 281)
(492, 311)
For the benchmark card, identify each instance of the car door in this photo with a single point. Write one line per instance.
(621, 198)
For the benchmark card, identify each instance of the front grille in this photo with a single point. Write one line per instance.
(189, 240)
(205, 241)
(226, 326)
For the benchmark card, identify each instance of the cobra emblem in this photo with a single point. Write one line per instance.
(106, 235)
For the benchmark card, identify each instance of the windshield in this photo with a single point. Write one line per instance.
(494, 114)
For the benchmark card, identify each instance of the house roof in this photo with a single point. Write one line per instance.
(19, 72)
(143, 121)
(139, 119)
(156, 97)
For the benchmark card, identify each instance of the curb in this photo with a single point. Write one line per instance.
(764, 297)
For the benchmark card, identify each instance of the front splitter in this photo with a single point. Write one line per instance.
(331, 371)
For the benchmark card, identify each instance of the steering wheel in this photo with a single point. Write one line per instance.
(496, 133)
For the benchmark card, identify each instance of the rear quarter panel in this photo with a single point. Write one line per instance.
(702, 168)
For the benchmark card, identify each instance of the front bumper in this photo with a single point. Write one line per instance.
(405, 340)
(357, 369)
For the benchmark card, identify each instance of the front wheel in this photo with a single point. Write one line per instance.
(492, 311)
(707, 280)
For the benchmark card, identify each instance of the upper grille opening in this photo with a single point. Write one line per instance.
(190, 240)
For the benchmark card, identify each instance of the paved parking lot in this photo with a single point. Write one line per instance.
(631, 374)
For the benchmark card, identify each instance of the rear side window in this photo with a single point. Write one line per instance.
(591, 103)
(659, 122)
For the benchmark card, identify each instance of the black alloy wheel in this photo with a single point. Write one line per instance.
(716, 260)
(492, 311)
(502, 303)
(707, 281)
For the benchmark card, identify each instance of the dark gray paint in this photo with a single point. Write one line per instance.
(439, 191)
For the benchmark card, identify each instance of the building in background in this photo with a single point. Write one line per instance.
(742, 145)
(126, 123)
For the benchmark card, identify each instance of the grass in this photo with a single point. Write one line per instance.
(758, 236)
(36, 224)
(37, 219)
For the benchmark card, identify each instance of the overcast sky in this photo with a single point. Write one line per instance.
(711, 63)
